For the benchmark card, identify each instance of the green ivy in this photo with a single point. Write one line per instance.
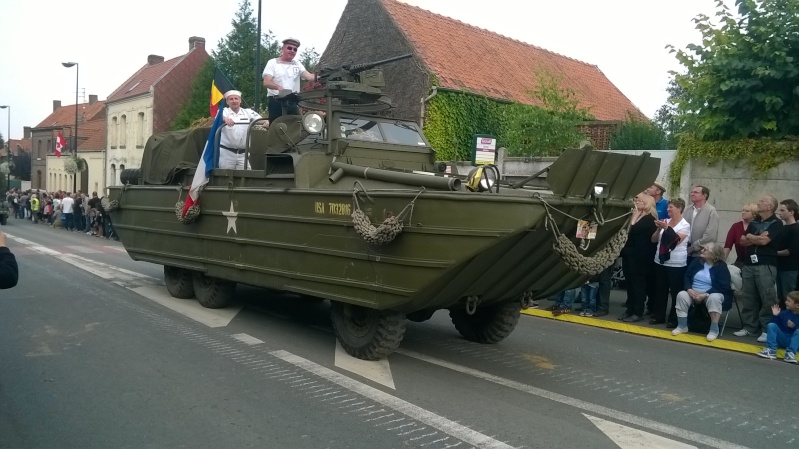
(761, 154)
(454, 117)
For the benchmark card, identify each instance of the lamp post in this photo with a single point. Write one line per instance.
(75, 137)
(8, 144)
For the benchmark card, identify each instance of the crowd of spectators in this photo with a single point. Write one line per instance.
(675, 267)
(73, 212)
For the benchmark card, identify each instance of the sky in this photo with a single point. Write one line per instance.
(110, 41)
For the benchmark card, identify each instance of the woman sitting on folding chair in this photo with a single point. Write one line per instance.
(707, 280)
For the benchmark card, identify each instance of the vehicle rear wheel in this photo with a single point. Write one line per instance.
(179, 282)
(211, 292)
(367, 334)
(420, 315)
(490, 324)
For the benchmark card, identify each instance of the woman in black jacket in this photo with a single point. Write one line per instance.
(637, 256)
(9, 272)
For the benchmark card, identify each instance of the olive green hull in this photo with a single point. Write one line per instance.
(454, 244)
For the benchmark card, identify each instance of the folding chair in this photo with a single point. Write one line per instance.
(727, 313)
(737, 287)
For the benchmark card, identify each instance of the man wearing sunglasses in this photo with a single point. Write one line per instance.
(282, 73)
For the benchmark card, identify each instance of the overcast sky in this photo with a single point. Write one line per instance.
(111, 40)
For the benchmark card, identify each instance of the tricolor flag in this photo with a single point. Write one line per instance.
(59, 144)
(219, 86)
(206, 164)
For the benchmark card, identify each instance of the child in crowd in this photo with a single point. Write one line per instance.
(588, 294)
(782, 330)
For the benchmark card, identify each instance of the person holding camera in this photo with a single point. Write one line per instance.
(9, 272)
(759, 273)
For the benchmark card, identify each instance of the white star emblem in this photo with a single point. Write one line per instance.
(231, 219)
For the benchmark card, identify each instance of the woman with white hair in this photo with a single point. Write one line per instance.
(707, 280)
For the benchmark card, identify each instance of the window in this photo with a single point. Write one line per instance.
(39, 146)
(49, 146)
(114, 133)
(113, 175)
(140, 130)
(123, 131)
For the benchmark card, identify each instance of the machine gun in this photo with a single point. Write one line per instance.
(358, 73)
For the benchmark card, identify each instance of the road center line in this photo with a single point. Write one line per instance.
(582, 405)
(415, 412)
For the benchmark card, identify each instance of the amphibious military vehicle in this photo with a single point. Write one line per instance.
(346, 204)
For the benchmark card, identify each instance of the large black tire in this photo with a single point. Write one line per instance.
(490, 324)
(211, 292)
(179, 282)
(420, 315)
(367, 334)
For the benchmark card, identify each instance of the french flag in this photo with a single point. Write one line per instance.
(206, 164)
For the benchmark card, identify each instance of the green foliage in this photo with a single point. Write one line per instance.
(2, 141)
(668, 118)
(637, 134)
(309, 58)
(545, 130)
(761, 154)
(454, 117)
(198, 103)
(741, 81)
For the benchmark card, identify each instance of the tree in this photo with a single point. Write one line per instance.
(638, 134)
(309, 58)
(548, 129)
(743, 79)
(21, 166)
(2, 141)
(235, 56)
(667, 118)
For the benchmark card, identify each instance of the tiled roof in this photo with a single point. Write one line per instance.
(143, 79)
(94, 135)
(24, 143)
(473, 63)
(65, 115)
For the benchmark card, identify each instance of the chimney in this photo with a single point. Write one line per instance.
(56, 105)
(196, 42)
(154, 59)
(92, 99)
(26, 132)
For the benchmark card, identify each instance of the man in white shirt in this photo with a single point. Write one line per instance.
(232, 143)
(67, 204)
(282, 73)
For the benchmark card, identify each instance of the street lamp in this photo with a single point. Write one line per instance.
(8, 143)
(75, 142)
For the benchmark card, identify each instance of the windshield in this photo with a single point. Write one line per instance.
(403, 133)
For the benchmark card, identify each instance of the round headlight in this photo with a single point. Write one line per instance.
(313, 123)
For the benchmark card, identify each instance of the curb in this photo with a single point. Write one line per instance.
(619, 326)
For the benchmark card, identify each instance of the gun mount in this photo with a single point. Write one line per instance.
(358, 73)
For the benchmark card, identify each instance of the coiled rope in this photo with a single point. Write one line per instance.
(563, 246)
(191, 215)
(388, 230)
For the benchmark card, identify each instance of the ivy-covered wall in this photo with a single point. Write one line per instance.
(759, 154)
(452, 118)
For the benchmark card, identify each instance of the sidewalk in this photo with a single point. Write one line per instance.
(727, 340)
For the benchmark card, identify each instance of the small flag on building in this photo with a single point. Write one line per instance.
(59, 144)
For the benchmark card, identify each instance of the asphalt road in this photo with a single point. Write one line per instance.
(95, 354)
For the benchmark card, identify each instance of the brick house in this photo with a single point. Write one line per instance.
(371, 30)
(147, 103)
(47, 170)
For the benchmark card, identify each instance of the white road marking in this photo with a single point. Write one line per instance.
(582, 405)
(189, 307)
(117, 248)
(415, 412)
(378, 371)
(629, 438)
(249, 339)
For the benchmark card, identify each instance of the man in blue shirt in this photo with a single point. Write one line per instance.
(661, 204)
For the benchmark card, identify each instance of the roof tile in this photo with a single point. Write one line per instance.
(464, 66)
(143, 79)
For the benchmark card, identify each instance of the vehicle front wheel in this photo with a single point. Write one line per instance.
(211, 292)
(490, 324)
(367, 334)
(179, 282)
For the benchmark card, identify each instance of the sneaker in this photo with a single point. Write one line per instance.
(581, 313)
(588, 314)
(599, 313)
(533, 305)
(712, 336)
(767, 353)
(561, 311)
(742, 333)
(679, 330)
(790, 357)
(762, 338)
(633, 319)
